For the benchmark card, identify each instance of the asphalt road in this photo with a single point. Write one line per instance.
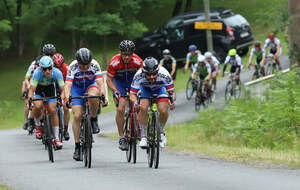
(24, 165)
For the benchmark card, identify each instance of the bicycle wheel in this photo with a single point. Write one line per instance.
(156, 142)
(127, 137)
(61, 123)
(197, 102)
(269, 69)
(49, 142)
(133, 138)
(89, 139)
(189, 91)
(238, 91)
(151, 147)
(228, 90)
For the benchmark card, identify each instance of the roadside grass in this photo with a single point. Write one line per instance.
(190, 139)
(4, 187)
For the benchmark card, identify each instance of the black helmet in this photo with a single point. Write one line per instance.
(84, 56)
(49, 49)
(166, 52)
(257, 44)
(150, 65)
(127, 46)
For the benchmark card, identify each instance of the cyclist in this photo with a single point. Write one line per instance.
(275, 48)
(48, 50)
(42, 84)
(214, 65)
(84, 75)
(191, 57)
(152, 79)
(58, 60)
(202, 70)
(169, 62)
(121, 70)
(236, 64)
(260, 54)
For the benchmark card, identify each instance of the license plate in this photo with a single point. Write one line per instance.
(245, 34)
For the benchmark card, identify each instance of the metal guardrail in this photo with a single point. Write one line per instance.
(264, 78)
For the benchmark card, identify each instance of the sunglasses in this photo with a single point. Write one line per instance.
(47, 68)
(152, 74)
(127, 54)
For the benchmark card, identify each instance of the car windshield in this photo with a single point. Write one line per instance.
(235, 20)
(173, 24)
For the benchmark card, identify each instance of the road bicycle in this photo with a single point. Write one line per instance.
(153, 131)
(47, 137)
(203, 96)
(258, 72)
(272, 67)
(191, 88)
(233, 89)
(131, 129)
(86, 131)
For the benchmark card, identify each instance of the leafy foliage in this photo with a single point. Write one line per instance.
(5, 29)
(273, 122)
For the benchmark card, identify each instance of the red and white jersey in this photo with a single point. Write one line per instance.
(64, 70)
(124, 72)
(163, 79)
(83, 78)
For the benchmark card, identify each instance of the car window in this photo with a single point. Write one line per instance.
(172, 24)
(176, 34)
(235, 20)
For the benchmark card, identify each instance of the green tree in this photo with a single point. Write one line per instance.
(5, 29)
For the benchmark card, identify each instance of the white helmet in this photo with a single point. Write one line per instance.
(201, 59)
(207, 55)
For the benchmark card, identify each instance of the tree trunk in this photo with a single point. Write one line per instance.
(294, 30)
(20, 41)
(8, 12)
(177, 7)
(104, 57)
(188, 6)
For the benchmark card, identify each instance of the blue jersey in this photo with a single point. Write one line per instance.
(39, 78)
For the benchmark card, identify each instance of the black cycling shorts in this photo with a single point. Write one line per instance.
(45, 91)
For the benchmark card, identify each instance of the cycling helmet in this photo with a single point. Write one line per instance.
(271, 36)
(150, 65)
(58, 60)
(208, 55)
(46, 62)
(84, 56)
(166, 52)
(49, 49)
(257, 44)
(192, 47)
(201, 59)
(127, 46)
(232, 52)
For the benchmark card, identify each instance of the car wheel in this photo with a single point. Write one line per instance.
(220, 53)
(243, 52)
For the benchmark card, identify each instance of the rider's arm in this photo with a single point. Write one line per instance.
(31, 91)
(173, 66)
(225, 64)
(209, 71)
(67, 89)
(263, 60)
(69, 81)
(250, 59)
(102, 89)
(99, 78)
(216, 64)
(135, 86)
(277, 48)
(187, 62)
(110, 75)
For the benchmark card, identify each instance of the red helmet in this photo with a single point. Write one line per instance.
(58, 60)
(271, 36)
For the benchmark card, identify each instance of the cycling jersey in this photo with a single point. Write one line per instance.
(193, 58)
(123, 72)
(45, 86)
(258, 53)
(214, 63)
(31, 69)
(39, 78)
(163, 81)
(202, 71)
(235, 62)
(168, 64)
(273, 45)
(64, 70)
(83, 79)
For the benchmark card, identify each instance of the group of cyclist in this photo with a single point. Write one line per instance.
(127, 73)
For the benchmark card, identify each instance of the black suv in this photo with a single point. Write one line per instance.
(179, 32)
